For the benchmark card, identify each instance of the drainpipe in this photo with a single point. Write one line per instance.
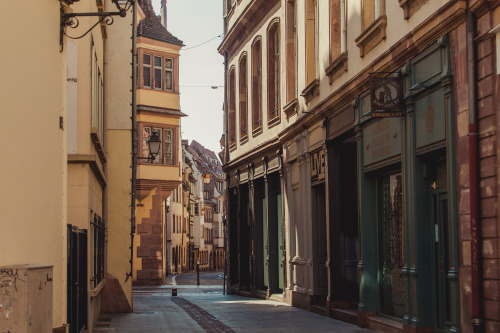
(134, 140)
(477, 321)
(226, 160)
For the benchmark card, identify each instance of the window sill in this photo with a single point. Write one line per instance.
(232, 146)
(243, 138)
(256, 131)
(311, 90)
(274, 121)
(97, 144)
(94, 292)
(410, 7)
(372, 36)
(337, 67)
(291, 108)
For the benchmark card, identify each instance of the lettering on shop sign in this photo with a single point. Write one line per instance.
(318, 165)
(382, 140)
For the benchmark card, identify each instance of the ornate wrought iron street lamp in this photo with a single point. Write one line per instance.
(71, 19)
(154, 144)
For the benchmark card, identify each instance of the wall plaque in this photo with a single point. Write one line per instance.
(387, 97)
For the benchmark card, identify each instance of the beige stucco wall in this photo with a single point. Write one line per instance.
(118, 203)
(118, 86)
(33, 168)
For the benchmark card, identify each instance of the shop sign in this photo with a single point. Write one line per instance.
(318, 165)
(387, 97)
(382, 140)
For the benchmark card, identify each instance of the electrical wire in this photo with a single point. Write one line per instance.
(208, 41)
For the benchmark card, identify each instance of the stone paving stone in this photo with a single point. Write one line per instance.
(155, 311)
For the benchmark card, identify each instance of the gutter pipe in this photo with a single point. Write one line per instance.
(134, 140)
(476, 279)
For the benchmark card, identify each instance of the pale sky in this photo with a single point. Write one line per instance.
(195, 22)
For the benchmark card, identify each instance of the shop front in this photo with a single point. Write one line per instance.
(408, 263)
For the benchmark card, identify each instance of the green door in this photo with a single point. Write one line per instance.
(264, 242)
(281, 245)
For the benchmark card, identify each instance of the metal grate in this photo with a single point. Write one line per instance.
(392, 292)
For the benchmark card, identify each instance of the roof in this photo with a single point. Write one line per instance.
(151, 26)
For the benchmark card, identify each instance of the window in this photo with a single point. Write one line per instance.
(157, 72)
(373, 25)
(256, 84)
(146, 70)
(273, 71)
(291, 51)
(310, 41)
(196, 209)
(97, 89)
(166, 154)
(169, 74)
(371, 11)
(243, 96)
(98, 234)
(338, 32)
(232, 108)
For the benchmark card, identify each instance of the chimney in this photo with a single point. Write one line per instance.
(164, 13)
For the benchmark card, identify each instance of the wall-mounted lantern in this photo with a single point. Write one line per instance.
(154, 144)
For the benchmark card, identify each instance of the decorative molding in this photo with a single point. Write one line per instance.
(256, 131)
(337, 67)
(247, 22)
(372, 36)
(411, 6)
(291, 108)
(311, 90)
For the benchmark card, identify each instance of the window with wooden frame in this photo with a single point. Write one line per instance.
(338, 40)
(373, 25)
(310, 40)
(256, 86)
(146, 70)
(169, 74)
(232, 107)
(157, 72)
(243, 93)
(273, 72)
(291, 57)
(167, 152)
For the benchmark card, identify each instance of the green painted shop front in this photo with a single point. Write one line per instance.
(408, 264)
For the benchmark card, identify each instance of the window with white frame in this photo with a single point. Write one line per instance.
(97, 91)
(157, 72)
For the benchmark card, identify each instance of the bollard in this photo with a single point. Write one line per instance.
(174, 292)
(198, 273)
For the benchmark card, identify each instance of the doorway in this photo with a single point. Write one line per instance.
(320, 271)
(77, 279)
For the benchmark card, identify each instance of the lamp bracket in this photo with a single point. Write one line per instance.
(71, 20)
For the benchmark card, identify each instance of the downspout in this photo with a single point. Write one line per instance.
(477, 321)
(226, 161)
(134, 139)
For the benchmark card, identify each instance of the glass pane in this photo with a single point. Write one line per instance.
(146, 59)
(157, 61)
(158, 78)
(392, 289)
(168, 135)
(168, 80)
(146, 73)
(169, 63)
(146, 133)
(159, 157)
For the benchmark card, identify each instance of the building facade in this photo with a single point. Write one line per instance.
(360, 159)
(158, 110)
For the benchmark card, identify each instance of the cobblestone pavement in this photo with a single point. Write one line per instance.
(206, 309)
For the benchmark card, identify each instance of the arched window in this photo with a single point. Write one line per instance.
(232, 108)
(243, 93)
(256, 86)
(273, 72)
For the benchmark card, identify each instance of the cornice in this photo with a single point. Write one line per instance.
(264, 148)
(245, 24)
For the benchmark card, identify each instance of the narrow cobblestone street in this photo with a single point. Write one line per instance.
(205, 309)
